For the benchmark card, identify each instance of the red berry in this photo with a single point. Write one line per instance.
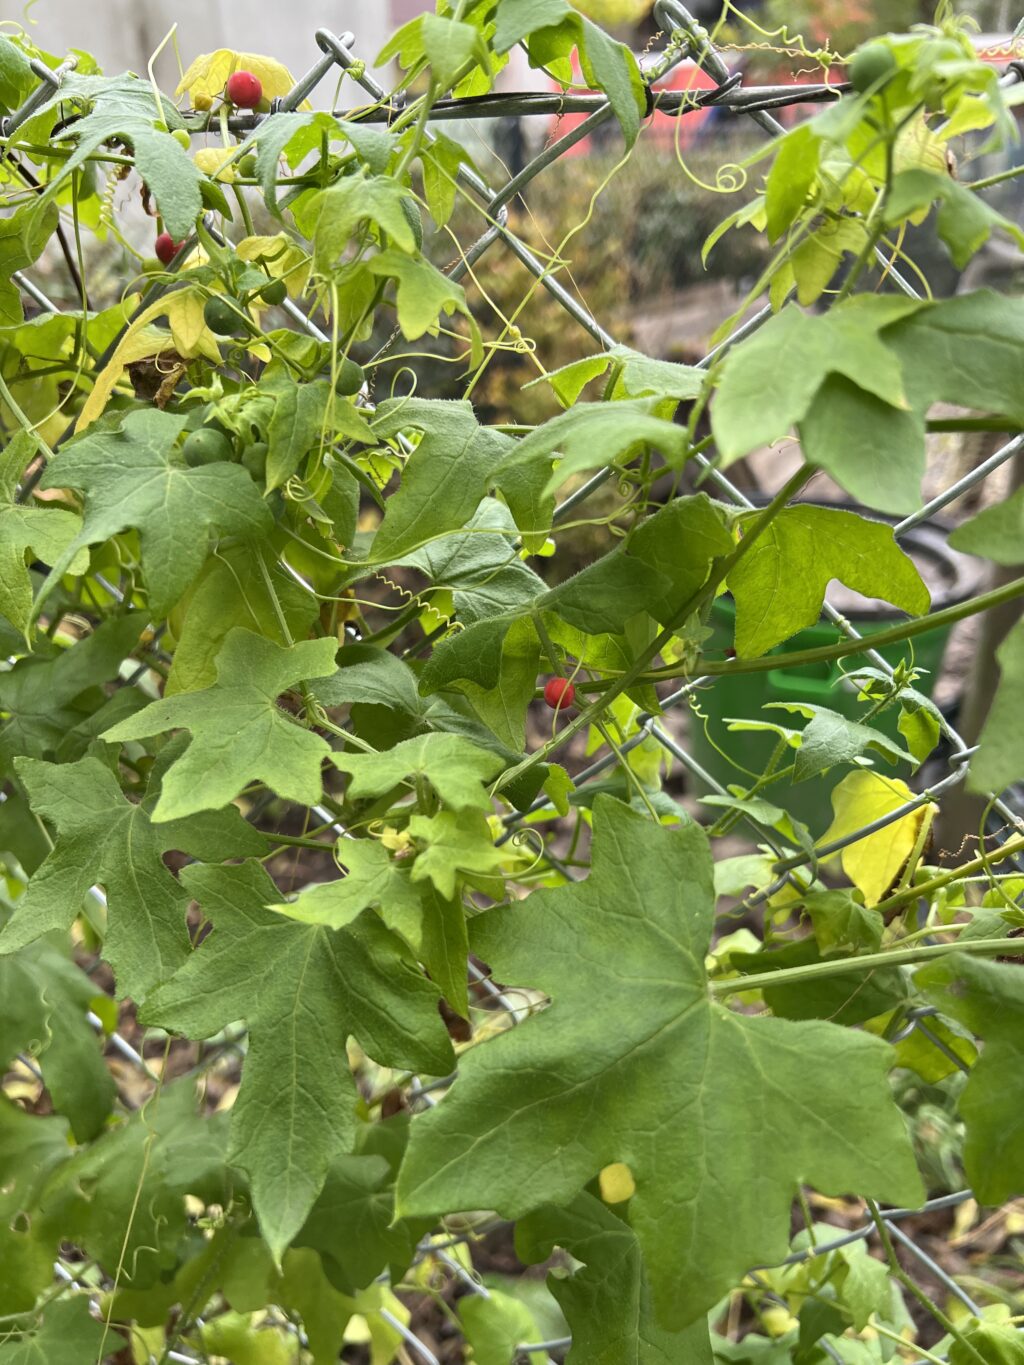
(244, 90)
(166, 248)
(559, 693)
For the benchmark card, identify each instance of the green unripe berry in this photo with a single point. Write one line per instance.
(274, 293)
(182, 138)
(350, 378)
(247, 167)
(254, 459)
(206, 445)
(871, 67)
(222, 317)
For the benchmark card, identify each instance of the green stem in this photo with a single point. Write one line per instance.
(912, 893)
(911, 1286)
(869, 962)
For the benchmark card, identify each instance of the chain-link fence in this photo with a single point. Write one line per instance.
(683, 39)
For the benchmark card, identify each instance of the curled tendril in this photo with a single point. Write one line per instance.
(407, 370)
(529, 838)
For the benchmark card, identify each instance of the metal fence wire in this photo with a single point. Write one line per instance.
(683, 39)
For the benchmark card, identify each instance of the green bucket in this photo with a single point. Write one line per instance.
(951, 578)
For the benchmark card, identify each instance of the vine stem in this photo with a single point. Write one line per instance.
(869, 962)
(912, 893)
(910, 1285)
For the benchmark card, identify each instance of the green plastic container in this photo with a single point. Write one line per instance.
(951, 578)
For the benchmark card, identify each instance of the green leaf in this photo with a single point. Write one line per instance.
(122, 1198)
(606, 594)
(45, 529)
(609, 64)
(639, 376)
(455, 841)
(174, 178)
(23, 235)
(479, 564)
(123, 108)
(45, 697)
(996, 533)
(424, 293)
(831, 739)
(304, 989)
(780, 585)
(358, 1200)
(372, 676)
(455, 768)
(607, 1301)
(31, 1148)
(988, 998)
(46, 999)
(793, 173)
(67, 1334)
(356, 199)
(595, 434)
(641, 924)
(136, 478)
(964, 221)
(1000, 759)
(494, 1327)
(102, 838)
(758, 400)
(449, 46)
(503, 707)
(442, 160)
(239, 733)
(680, 540)
(446, 476)
(964, 350)
(372, 877)
(996, 1343)
(841, 925)
(874, 451)
(296, 428)
(16, 76)
(231, 592)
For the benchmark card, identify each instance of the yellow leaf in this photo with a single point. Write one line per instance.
(616, 1183)
(208, 74)
(184, 311)
(614, 11)
(281, 258)
(188, 336)
(139, 343)
(211, 159)
(872, 863)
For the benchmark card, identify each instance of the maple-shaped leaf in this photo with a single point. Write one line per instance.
(433, 926)
(455, 768)
(987, 997)
(455, 841)
(239, 733)
(445, 477)
(304, 990)
(103, 839)
(137, 478)
(607, 1301)
(634, 1063)
(45, 697)
(47, 530)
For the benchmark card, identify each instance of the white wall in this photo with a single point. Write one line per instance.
(123, 33)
